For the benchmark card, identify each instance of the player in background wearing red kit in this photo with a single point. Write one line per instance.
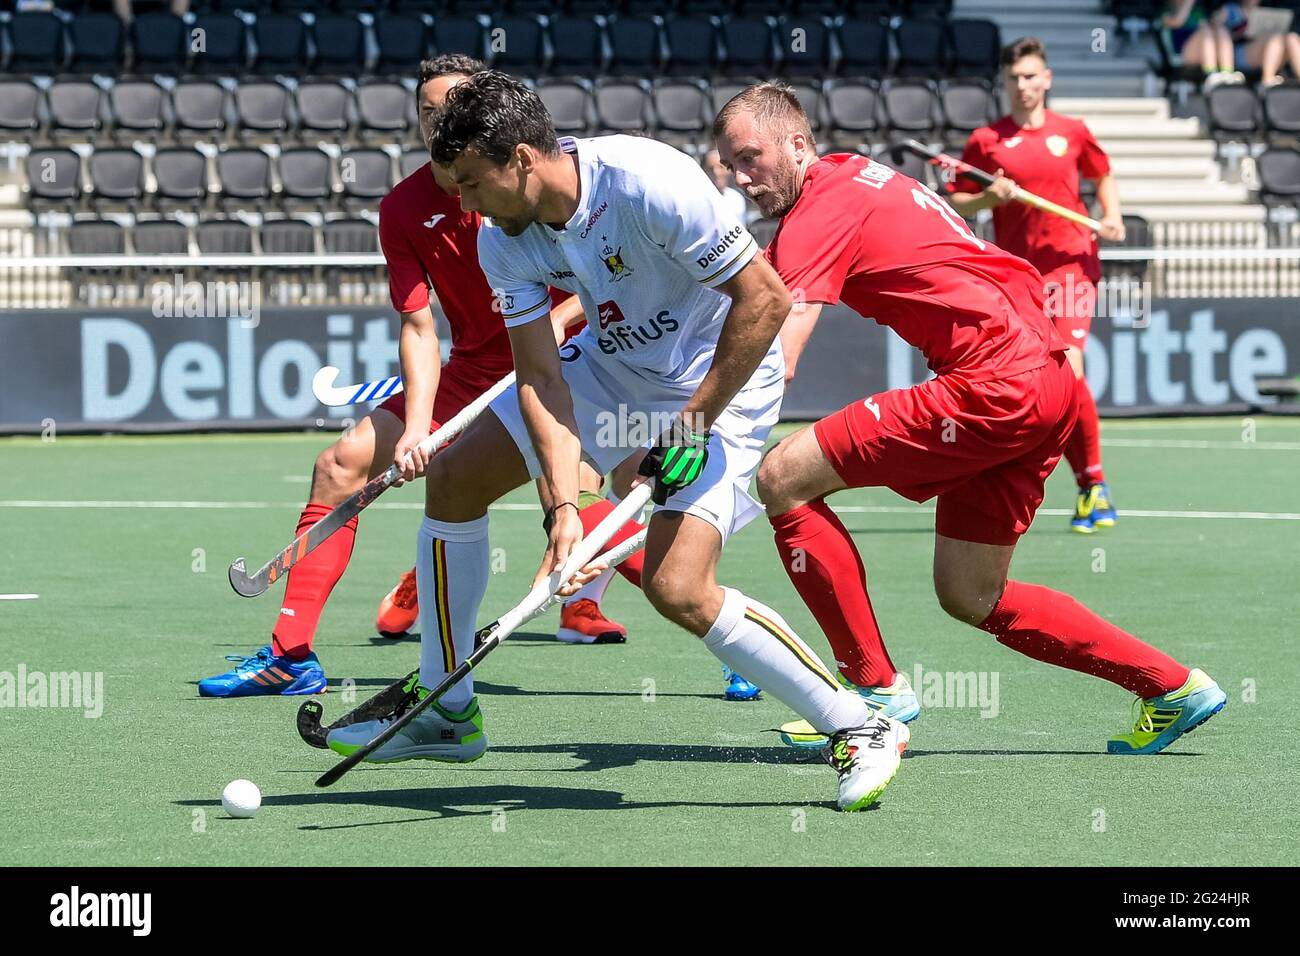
(982, 436)
(427, 241)
(1047, 153)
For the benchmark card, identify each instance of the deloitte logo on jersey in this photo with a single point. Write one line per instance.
(717, 252)
(617, 335)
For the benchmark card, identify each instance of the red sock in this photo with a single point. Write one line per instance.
(1055, 628)
(593, 515)
(827, 571)
(1083, 449)
(310, 583)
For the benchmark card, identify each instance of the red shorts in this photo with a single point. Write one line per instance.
(984, 448)
(1071, 302)
(458, 385)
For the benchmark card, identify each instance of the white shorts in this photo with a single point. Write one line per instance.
(615, 419)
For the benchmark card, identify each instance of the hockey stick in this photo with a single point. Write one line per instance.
(247, 585)
(327, 393)
(538, 600)
(944, 161)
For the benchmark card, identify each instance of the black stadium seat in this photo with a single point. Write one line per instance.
(224, 237)
(749, 45)
(96, 237)
(98, 43)
(975, 46)
(569, 103)
(36, 40)
(921, 48)
(288, 237)
(634, 46)
(1282, 110)
(722, 91)
(137, 108)
(809, 94)
(864, 48)
(518, 45)
(966, 107)
(159, 43)
(340, 45)
(116, 176)
(384, 109)
(1279, 175)
(224, 45)
(181, 176)
(245, 177)
(680, 107)
(403, 42)
(53, 177)
(199, 107)
(577, 46)
(623, 106)
(262, 108)
(306, 177)
(350, 237)
(692, 46)
(412, 160)
(323, 107)
(1234, 112)
(281, 44)
(805, 44)
(852, 112)
(160, 237)
(459, 34)
(75, 107)
(366, 175)
(910, 110)
(19, 108)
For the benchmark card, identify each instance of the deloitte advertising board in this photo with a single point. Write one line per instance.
(130, 371)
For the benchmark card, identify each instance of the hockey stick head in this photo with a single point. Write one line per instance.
(244, 585)
(323, 385)
(310, 728)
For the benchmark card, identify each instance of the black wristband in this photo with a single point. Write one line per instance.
(549, 519)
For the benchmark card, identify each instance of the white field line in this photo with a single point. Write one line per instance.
(523, 506)
(18, 597)
(1201, 443)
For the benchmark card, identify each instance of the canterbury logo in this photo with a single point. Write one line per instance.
(435, 220)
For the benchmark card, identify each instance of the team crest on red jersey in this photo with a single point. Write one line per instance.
(609, 313)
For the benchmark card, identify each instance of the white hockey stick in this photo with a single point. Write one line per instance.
(327, 393)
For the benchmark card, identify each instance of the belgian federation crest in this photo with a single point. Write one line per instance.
(613, 259)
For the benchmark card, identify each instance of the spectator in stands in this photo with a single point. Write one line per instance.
(123, 8)
(1264, 39)
(734, 198)
(1198, 39)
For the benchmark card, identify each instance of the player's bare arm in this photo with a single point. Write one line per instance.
(1000, 193)
(1112, 220)
(796, 332)
(760, 304)
(421, 362)
(547, 410)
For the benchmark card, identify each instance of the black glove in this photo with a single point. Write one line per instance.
(675, 460)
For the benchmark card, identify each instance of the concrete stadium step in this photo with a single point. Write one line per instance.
(1193, 169)
(1120, 87)
(1146, 107)
(1171, 148)
(1120, 127)
(1245, 212)
(1158, 192)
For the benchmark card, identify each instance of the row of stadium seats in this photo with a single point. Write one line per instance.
(1238, 112)
(858, 8)
(336, 45)
(241, 179)
(850, 111)
(223, 236)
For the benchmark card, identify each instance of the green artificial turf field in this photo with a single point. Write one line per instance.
(628, 754)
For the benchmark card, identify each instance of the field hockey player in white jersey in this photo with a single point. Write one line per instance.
(684, 344)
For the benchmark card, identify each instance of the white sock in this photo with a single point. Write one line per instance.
(755, 641)
(594, 590)
(451, 570)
